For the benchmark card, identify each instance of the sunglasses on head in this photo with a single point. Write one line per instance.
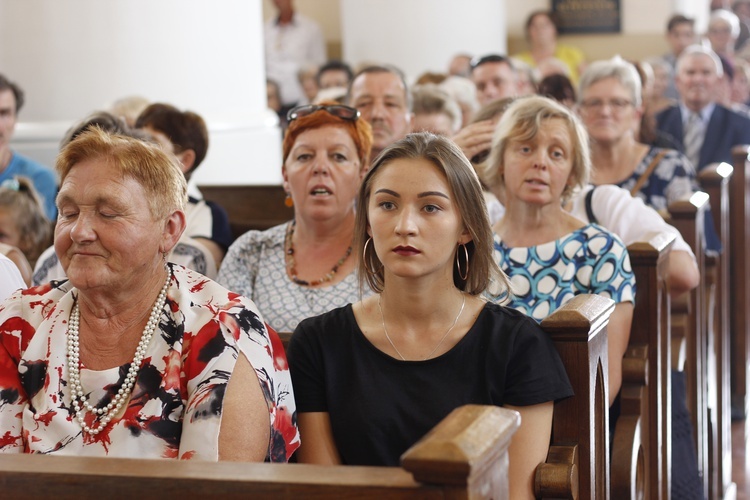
(338, 110)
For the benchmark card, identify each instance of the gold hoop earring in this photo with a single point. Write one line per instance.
(465, 275)
(366, 260)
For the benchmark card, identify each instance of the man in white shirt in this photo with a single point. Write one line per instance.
(10, 278)
(292, 41)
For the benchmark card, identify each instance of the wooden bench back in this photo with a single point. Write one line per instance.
(690, 325)
(577, 465)
(641, 455)
(463, 457)
(715, 179)
(250, 207)
(739, 278)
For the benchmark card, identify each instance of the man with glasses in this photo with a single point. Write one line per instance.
(705, 130)
(495, 78)
(380, 93)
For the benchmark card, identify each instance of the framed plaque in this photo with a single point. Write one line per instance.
(587, 16)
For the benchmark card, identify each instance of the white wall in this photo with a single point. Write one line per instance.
(76, 56)
(420, 35)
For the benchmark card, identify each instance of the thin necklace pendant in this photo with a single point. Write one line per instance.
(78, 399)
(442, 339)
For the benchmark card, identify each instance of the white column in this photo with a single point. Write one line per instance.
(76, 56)
(421, 35)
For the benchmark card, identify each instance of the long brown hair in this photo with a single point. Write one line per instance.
(483, 273)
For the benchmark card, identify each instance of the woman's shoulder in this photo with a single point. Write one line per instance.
(255, 239)
(591, 240)
(199, 291)
(33, 306)
(668, 158)
(334, 321)
(594, 231)
(324, 333)
(504, 316)
(505, 324)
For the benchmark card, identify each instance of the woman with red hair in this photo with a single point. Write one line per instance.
(305, 267)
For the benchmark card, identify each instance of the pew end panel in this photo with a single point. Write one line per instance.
(739, 280)
(715, 179)
(579, 451)
(692, 325)
(641, 454)
(470, 445)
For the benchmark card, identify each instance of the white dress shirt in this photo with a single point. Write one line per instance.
(290, 47)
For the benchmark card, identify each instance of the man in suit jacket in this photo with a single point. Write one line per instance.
(716, 129)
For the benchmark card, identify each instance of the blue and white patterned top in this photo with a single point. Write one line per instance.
(546, 276)
(673, 179)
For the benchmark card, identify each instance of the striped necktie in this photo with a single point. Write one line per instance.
(693, 138)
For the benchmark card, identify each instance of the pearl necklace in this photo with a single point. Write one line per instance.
(445, 335)
(105, 414)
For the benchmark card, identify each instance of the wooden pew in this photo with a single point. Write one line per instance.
(577, 464)
(464, 457)
(641, 454)
(714, 180)
(739, 279)
(690, 326)
(250, 207)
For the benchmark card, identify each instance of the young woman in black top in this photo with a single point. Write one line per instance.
(373, 377)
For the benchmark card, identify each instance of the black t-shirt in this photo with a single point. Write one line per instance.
(380, 406)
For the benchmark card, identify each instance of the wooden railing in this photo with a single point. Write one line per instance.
(464, 457)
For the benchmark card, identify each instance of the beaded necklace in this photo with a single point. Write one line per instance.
(292, 265)
(102, 416)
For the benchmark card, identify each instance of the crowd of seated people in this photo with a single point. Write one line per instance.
(398, 260)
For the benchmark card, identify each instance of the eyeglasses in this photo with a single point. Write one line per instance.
(616, 105)
(338, 110)
(492, 58)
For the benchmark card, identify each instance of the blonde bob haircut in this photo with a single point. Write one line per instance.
(521, 122)
(155, 170)
(483, 273)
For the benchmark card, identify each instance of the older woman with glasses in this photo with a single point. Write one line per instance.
(610, 106)
(305, 267)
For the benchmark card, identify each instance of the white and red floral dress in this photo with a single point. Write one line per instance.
(176, 405)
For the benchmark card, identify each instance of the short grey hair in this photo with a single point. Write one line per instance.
(430, 99)
(727, 17)
(617, 68)
(699, 50)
